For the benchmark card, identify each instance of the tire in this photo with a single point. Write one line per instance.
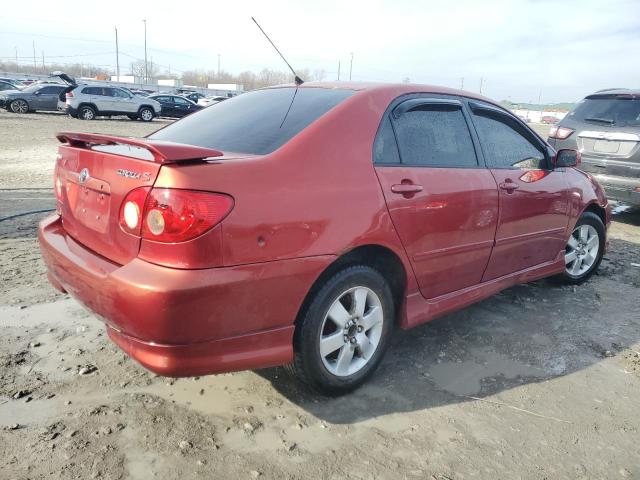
(87, 112)
(19, 106)
(146, 114)
(584, 250)
(352, 352)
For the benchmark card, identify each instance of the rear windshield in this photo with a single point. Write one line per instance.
(257, 122)
(619, 110)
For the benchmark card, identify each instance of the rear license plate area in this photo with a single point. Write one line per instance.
(90, 207)
(606, 146)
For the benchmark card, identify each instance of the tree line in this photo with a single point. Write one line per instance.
(199, 78)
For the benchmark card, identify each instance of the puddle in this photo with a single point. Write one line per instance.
(465, 378)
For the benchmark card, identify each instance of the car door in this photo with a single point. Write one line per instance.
(101, 98)
(442, 200)
(49, 97)
(182, 106)
(117, 100)
(533, 196)
(166, 104)
(38, 98)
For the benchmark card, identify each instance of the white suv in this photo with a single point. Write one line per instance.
(89, 101)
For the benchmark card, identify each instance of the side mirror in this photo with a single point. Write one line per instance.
(566, 158)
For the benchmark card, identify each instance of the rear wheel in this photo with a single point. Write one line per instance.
(19, 106)
(584, 249)
(86, 112)
(146, 114)
(344, 332)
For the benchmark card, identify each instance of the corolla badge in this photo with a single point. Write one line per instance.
(84, 175)
(146, 176)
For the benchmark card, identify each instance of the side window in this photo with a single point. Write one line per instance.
(180, 101)
(163, 100)
(89, 91)
(48, 90)
(109, 92)
(505, 143)
(435, 135)
(385, 148)
(120, 93)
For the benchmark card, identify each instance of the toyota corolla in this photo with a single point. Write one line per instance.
(302, 225)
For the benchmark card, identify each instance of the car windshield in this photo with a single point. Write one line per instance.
(618, 110)
(257, 122)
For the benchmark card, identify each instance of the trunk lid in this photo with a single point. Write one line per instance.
(95, 174)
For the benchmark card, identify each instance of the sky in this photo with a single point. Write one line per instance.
(522, 51)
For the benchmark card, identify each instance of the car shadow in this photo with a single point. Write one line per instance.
(526, 334)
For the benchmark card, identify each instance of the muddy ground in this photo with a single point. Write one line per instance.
(540, 381)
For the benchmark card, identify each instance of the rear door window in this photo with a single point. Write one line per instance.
(433, 134)
(256, 122)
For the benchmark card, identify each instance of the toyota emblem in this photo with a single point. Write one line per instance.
(84, 176)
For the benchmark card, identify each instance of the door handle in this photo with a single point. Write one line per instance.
(509, 186)
(406, 188)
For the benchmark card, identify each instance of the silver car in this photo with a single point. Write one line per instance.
(86, 102)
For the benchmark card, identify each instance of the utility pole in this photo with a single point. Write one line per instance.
(146, 70)
(151, 65)
(44, 70)
(16, 56)
(218, 65)
(34, 57)
(338, 70)
(540, 97)
(461, 83)
(117, 56)
(351, 66)
(481, 82)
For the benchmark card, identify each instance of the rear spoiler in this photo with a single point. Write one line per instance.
(162, 152)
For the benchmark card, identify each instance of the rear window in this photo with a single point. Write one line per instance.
(257, 122)
(619, 110)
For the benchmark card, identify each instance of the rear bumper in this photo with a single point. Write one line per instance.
(620, 189)
(185, 322)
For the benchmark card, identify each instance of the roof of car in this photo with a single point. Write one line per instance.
(399, 88)
(618, 91)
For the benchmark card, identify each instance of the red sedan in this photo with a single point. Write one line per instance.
(302, 225)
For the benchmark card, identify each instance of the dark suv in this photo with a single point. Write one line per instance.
(605, 127)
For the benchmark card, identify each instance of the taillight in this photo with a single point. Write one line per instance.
(171, 215)
(58, 184)
(69, 95)
(560, 132)
(132, 209)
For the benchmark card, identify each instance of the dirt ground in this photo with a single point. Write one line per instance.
(540, 381)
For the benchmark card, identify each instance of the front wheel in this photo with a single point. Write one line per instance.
(146, 114)
(19, 106)
(343, 334)
(584, 250)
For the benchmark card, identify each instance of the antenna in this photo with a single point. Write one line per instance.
(297, 79)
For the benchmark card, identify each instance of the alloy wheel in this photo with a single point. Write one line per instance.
(146, 115)
(582, 250)
(19, 106)
(87, 114)
(351, 331)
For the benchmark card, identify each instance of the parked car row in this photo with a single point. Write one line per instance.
(88, 101)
